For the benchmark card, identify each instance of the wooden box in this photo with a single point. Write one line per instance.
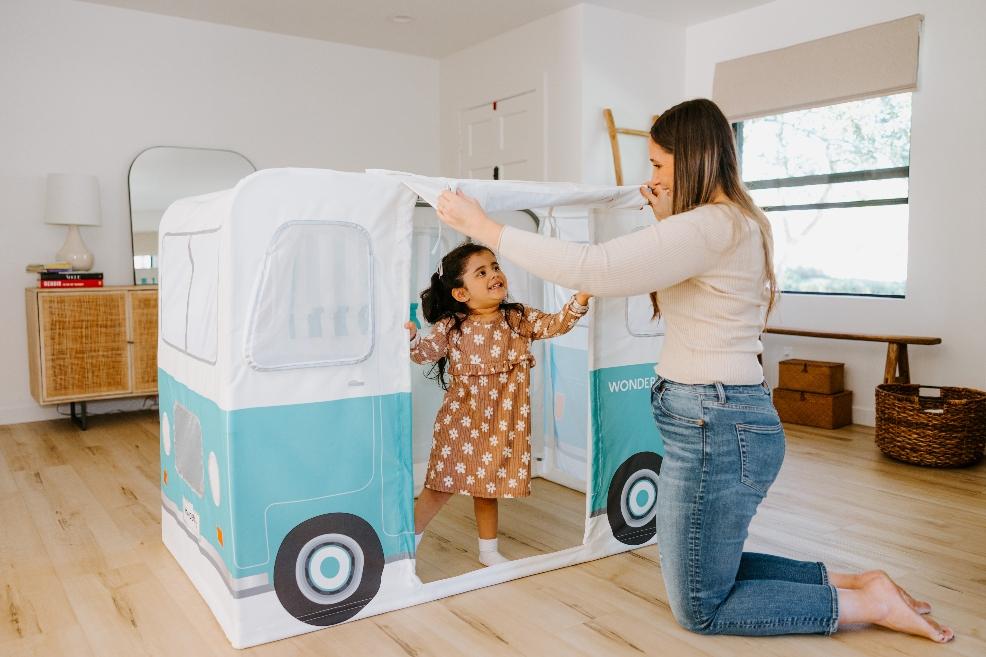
(813, 409)
(811, 376)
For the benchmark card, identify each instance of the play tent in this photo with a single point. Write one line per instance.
(294, 427)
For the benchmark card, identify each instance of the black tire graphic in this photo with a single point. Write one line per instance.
(631, 505)
(328, 568)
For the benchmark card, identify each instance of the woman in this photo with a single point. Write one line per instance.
(709, 259)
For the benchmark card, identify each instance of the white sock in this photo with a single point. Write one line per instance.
(417, 540)
(489, 555)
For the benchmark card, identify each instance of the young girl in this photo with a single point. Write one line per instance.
(482, 440)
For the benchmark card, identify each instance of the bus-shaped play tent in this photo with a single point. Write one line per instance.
(294, 426)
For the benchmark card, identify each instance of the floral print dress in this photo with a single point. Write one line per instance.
(482, 439)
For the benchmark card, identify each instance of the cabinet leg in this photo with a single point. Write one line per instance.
(80, 420)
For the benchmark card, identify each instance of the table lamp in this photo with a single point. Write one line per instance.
(72, 199)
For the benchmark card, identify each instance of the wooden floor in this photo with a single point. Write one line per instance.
(551, 519)
(83, 571)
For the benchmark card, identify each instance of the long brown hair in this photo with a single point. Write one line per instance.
(698, 135)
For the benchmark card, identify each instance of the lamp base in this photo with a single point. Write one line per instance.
(74, 251)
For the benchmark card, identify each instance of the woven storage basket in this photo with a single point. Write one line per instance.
(944, 431)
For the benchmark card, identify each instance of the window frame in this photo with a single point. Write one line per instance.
(822, 179)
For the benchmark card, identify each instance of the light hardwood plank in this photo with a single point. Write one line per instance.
(83, 571)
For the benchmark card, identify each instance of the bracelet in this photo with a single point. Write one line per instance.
(577, 307)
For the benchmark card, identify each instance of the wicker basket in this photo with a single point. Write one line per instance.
(944, 431)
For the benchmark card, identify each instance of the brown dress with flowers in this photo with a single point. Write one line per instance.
(482, 440)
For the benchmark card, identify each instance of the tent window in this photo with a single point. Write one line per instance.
(188, 293)
(314, 306)
(188, 448)
(639, 318)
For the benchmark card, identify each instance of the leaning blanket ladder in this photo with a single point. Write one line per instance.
(615, 143)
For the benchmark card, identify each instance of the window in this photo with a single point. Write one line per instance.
(188, 293)
(314, 306)
(640, 319)
(834, 182)
(188, 448)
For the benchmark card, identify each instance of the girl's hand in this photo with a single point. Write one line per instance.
(659, 200)
(412, 328)
(582, 298)
(464, 214)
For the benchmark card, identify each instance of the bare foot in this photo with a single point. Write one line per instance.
(888, 608)
(919, 606)
(858, 580)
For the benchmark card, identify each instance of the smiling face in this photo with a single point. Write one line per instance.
(662, 167)
(484, 285)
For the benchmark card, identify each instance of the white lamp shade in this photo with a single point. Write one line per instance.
(73, 199)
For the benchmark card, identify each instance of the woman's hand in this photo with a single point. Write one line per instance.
(582, 298)
(464, 214)
(659, 200)
(412, 328)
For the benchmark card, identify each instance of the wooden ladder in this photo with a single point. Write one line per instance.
(614, 142)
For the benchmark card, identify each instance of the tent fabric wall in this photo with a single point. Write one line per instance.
(279, 461)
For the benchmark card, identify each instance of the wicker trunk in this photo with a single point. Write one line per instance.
(813, 409)
(811, 376)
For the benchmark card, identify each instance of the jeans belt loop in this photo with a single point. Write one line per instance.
(721, 392)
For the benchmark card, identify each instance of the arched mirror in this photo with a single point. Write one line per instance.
(163, 174)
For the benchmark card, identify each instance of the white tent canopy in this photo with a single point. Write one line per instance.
(506, 195)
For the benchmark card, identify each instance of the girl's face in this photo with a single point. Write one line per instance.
(484, 284)
(662, 167)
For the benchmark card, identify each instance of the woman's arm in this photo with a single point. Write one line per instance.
(654, 258)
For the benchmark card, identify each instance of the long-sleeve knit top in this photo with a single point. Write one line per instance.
(707, 267)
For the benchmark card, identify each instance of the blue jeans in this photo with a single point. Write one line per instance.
(724, 445)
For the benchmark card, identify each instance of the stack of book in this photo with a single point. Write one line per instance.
(60, 275)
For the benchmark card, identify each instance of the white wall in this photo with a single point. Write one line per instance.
(85, 88)
(543, 55)
(583, 59)
(947, 232)
(635, 66)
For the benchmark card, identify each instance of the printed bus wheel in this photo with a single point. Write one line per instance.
(328, 568)
(631, 505)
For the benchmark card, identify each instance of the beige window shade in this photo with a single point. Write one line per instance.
(872, 61)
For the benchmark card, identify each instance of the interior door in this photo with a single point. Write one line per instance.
(502, 139)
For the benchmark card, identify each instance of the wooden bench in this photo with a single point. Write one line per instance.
(897, 369)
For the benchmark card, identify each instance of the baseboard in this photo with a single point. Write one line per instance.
(36, 413)
(864, 415)
(27, 413)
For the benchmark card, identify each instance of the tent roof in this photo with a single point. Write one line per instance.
(503, 195)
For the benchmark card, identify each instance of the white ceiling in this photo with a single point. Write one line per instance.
(439, 28)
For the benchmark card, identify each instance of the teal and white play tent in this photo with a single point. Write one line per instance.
(294, 426)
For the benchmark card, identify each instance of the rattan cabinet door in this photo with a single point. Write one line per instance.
(143, 318)
(84, 350)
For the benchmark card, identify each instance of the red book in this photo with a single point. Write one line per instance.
(85, 282)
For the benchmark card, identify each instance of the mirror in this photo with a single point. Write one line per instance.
(163, 174)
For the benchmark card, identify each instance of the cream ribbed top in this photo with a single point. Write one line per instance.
(707, 266)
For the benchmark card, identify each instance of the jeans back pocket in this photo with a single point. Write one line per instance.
(761, 452)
